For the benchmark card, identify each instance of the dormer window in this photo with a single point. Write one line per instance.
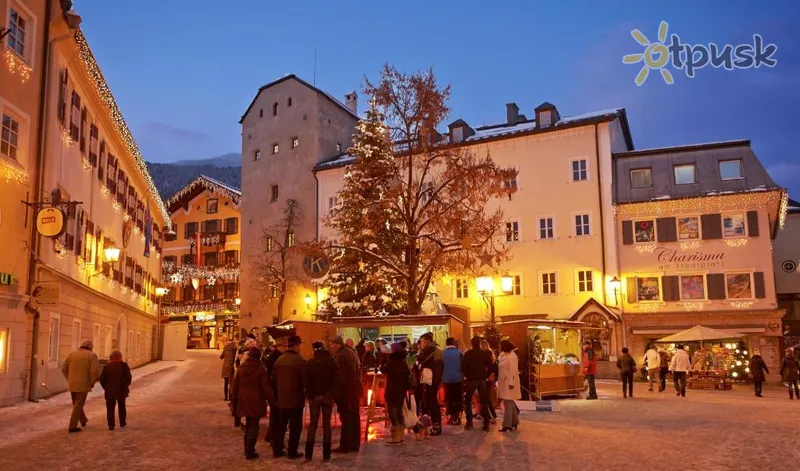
(458, 134)
(546, 115)
(545, 118)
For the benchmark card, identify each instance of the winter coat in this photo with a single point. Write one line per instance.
(508, 385)
(476, 365)
(452, 358)
(228, 357)
(320, 375)
(664, 359)
(289, 374)
(757, 368)
(269, 364)
(589, 362)
(348, 387)
(397, 378)
(116, 379)
(680, 361)
(431, 357)
(652, 359)
(369, 361)
(789, 369)
(626, 363)
(81, 368)
(251, 392)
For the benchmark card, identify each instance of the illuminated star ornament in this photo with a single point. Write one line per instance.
(361, 265)
(389, 289)
(212, 280)
(339, 311)
(383, 313)
(655, 56)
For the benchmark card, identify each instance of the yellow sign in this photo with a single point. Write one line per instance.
(50, 222)
(45, 294)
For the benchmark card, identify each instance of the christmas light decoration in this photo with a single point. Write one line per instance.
(690, 245)
(17, 66)
(212, 186)
(734, 243)
(66, 138)
(646, 248)
(101, 86)
(693, 306)
(741, 304)
(178, 275)
(212, 306)
(12, 172)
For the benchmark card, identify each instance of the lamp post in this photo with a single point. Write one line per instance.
(486, 289)
(160, 292)
(307, 300)
(615, 284)
(111, 256)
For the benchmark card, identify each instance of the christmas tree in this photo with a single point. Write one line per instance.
(739, 366)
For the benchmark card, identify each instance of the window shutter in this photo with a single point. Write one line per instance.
(79, 233)
(100, 160)
(62, 96)
(712, 226)
(760, 288)
(631, 281)
(69, 238)
(186, 230)
(220, 229)
(666, 230)
(83, 130)
(715, 283)
(627, 233)
(752, 223)
(670, 287)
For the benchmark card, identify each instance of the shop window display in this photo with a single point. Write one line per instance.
(688, 228)
(645, 231)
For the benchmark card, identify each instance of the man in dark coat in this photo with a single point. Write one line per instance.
(288, 373)
(627, 367)
(320, 377)
(249, 395)
(758, 368)
(476, 366)
(269, 364)
(228, 357)
(790, 372)
(431, 357)
(347, 394)
(398, 382)
(116, 381)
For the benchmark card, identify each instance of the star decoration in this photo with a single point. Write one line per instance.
(388, 227)
(383, 313)
(212, 280)
(339, 311)
(486, 259)
(389, 289)
(175, 278)
(361, 265)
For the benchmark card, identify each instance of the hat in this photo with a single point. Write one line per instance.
(337, 339)
(318, 345)
(254, 353)
(294, 340)
(397, 347)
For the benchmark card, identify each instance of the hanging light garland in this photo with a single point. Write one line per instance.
(180, 274)
(215, 188)
(12, 172)
(200, 307)
(17, 66)
(100, 84)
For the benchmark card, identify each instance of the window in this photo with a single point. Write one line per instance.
(210, 259)
(231, 290)
(546, 228)
(189, 230)
(733, 226)
(693, 287)
(458, 134)
(640, 178)
(510, 184)
(290, 240)
(585, 281)
(730, 169)
(275, 109)
(55, 338)
(289, 101)
(688, 228)
(4, 349)
(275, 148)
(512, 231)
(273, 292)
(548, 282)
(579, 172)
(75, 119)
(9, 137)
(462, 288)
(333, 201)
(644, 231)
(582, 225)
(338, 147)
(257, 155)
(231, 257)
(261, 112)
(17, 25)
(684, 174)
(76, 334)
(273, 194)
(648, 288)
(738, 286)
(516, 285)
(211, 226)
(231, 226)
(295, 142)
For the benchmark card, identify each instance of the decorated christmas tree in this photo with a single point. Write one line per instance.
(739, 368)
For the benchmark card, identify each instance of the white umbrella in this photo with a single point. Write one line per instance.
(700, 333)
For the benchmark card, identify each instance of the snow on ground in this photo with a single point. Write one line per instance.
(178, 421)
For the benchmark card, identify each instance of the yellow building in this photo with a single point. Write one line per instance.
(201, 261)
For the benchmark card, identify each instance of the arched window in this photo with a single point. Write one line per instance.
(275, 109)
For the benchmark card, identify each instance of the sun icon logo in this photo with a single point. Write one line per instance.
(655, 56)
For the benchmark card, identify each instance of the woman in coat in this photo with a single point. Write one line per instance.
(491, 382)
(369, 361)
(249, 396)
(398, 383)
(757, 369)
(790, 373)
(228, 357)
(508, 385)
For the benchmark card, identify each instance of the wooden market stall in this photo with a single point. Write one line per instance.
(396, 328)
(309, 332)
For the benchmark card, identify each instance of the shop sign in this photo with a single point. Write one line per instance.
(50, 222)
(681, 260)
(316, 265)
(7, 279)
(45, 294)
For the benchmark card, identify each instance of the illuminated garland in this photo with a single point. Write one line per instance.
(17, 66)
(182, 274)
(212, 186)
(101, 86)
(12, 172)
(200, 307)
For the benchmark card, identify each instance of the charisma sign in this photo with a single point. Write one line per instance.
(677, 259)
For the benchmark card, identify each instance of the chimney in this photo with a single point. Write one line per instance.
(351, 102)
(512, 113)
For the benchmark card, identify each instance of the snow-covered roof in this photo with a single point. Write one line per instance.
(335, 162)
(197, 186)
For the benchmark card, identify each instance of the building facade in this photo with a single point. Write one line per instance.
(204, 250)
(786, 260)
(288, 128)
(695, 226)
(23, 39)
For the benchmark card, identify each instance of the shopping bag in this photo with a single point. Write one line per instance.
(427, 376)
(409, 411)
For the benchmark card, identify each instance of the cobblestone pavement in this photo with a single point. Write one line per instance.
(178, 421)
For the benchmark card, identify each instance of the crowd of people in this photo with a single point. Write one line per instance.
(275, 381)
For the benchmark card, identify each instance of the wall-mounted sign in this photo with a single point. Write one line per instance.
(50, 222)
(316, 265)
(45, 294)
(681, 260)
(7, 279)
(789, 266)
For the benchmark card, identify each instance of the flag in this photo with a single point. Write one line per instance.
(148, 230)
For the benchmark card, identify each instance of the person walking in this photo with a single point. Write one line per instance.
(589, 364)
(81, 369)
(663, 369)
(790, 373)
(476, 366)
(398, 384)
(208, 339)
(508, 385)
(289, 373)
(491, 383)
(653, 362)
(627, 367)
(250, 394)
(320, 378)
(758, 368)
(269, 365)
(228, 357)
(431, 358)
(679, 366)
(453, 382)
(116, 382)
(347, 395)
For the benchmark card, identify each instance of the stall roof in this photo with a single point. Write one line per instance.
(394, 321)
(549, 323)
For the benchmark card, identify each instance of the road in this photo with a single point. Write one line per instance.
(178, 421)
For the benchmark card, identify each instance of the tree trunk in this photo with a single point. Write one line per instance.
(281, 299)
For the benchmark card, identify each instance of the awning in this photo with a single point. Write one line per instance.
(700, 333)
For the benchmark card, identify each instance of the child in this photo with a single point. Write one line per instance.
(116, 381)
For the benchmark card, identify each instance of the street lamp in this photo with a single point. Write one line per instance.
(111, 256)
(195, 283)
(615, 285)
(307, 300)
(485, 286)
(238, 301)
(161, 291)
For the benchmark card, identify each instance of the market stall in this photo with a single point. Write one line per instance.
(718, 357)
(309, 332)
(396, 328)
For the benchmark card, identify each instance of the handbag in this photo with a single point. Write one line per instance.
(409, 411)
(427, 376)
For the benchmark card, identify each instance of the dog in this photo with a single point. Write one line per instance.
(423, 427)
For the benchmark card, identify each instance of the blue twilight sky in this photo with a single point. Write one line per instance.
(183, 71)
